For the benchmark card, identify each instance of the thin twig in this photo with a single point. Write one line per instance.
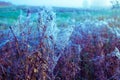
(16, 40)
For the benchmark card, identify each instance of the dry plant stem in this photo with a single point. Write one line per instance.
(16, 41)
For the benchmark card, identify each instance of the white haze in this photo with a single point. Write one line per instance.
(64, 3)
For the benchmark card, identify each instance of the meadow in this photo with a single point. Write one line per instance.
(40, 43)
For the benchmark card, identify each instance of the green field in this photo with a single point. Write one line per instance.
(9, 15)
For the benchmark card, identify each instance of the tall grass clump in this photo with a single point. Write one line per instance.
(92, 53)
(30, 47)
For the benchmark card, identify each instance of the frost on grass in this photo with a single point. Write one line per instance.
(35, 48)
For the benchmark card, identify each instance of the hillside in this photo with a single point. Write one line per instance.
(2, 4)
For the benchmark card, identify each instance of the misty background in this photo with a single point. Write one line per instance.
(64, 3)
